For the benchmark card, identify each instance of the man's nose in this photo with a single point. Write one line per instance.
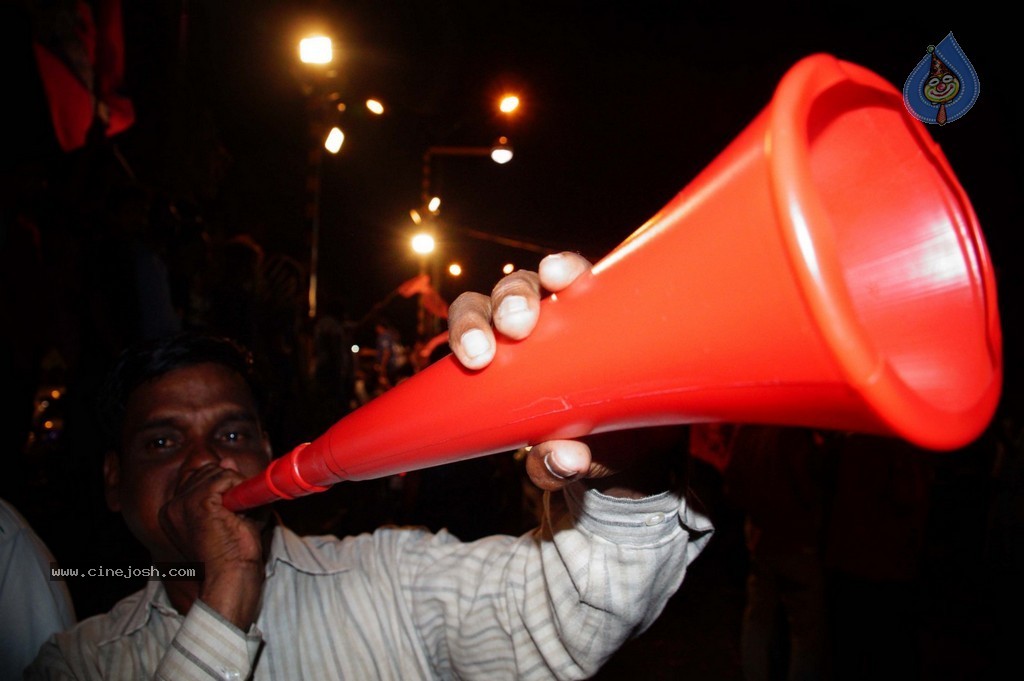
(199, 455)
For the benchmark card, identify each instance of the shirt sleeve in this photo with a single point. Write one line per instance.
(557, 602)
(209, 647)
(49, 665)
(200, 646)
(34, 606)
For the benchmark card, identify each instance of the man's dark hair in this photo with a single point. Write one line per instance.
(148, 361)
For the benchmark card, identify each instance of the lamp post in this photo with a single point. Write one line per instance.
(317, 52)
(501, 153)
(423, 244)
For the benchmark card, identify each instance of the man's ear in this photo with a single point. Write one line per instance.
(112, 480)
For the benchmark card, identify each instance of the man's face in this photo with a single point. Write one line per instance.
(185, 419)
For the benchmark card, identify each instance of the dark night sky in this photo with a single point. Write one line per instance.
(623, 104)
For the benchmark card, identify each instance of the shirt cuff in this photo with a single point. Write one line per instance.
(208, 646)
(633, 522)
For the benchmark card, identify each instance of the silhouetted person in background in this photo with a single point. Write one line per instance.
(391, 353)
(334, 365)
(34, 605)
(284, 344)
(235, 292)
(25, 297)
(779, 478)
(873, 553)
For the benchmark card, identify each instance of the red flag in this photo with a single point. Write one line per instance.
(429, 298)
(80, 55)
(116, 108)
(418, 284)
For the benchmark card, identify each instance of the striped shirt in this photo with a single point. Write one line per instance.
(403, 603)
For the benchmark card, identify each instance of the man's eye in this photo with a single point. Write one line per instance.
(159, 444)
(236, 437)
(238, 433)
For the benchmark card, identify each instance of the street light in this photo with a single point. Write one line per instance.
(335, 138)
(317, 49)
(508, 104)
(500, 152)
(423, 244)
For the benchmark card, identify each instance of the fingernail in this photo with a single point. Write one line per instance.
(554, 260)
(557, 468)
(474, 342)
(513, 305)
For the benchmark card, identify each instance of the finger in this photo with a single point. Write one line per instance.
(469, 330)
(558, 270)
(516, 304)
(554, 464)
(193, 478)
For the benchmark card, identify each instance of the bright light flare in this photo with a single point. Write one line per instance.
(434, 205)
(501, 152)
(423, 243)
(375, 106)
(316, 50)
(508, 104)
(509, 268)
(455, 269)
(335, 138)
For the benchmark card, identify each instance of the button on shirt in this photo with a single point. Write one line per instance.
(408, 604)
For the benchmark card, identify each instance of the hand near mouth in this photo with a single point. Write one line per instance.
(230, 546)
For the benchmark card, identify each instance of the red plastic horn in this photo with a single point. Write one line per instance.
(826, 270)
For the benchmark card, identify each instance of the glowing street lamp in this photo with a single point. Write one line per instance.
(423, 243)
(508, 104)
(501, 153)
(335, 138)
(316, 49)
